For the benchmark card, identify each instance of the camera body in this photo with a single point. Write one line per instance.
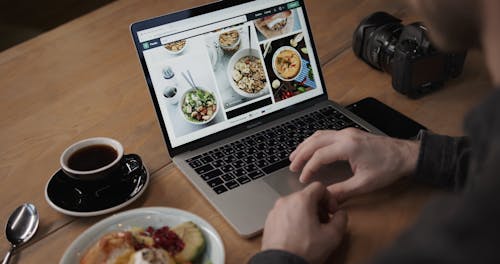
(406, 53)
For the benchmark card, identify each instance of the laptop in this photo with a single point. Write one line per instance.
(236, 86)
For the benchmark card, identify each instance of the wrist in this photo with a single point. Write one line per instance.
(410, 151)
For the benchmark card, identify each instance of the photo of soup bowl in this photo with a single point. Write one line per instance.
(198, 106)
(287, 63)
(245, 72)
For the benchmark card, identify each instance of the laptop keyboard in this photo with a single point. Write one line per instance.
(255, 156)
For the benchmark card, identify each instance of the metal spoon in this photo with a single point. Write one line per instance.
(21, 227)
(191, 78)
(249, 40)
(189, 81)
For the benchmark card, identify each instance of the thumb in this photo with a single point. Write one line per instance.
(315, 191)
(348, 188)
(337, 226)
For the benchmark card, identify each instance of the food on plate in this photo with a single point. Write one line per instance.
(194, 243)
(184, 243)
(116, 247)
(176, 46)
(248, 74)
(151, 255)
(275, 22)
(229, 40)
(287, 63)
(295, 41)
(290, 89)
(275, 25)
(276, 84)
(199, 106)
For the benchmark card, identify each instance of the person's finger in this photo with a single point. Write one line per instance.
(331, 202)
(316, 191)
(294, 152)
(300, 146)
(328, 205)
(336, 226)
(303, 155)
(323, 156)
(348, 188)
(308, 146)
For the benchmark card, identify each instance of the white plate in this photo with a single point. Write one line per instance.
(144, 217)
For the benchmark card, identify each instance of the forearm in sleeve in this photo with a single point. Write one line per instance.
(443, 161)
(456, 227)
(276, 257)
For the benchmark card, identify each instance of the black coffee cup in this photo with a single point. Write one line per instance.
(98, 159)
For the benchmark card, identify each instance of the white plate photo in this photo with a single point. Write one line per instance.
(144, 217)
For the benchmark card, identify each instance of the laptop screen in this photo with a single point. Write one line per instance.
(214, 71)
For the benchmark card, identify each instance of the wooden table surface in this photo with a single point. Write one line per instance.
(83, 79)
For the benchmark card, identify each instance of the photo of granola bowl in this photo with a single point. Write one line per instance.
(287, 63)
(198, 106)
(230, 40)
(245, 72)
(176, 47)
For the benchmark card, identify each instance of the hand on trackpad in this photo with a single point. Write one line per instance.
(336, 172)
(286, 182)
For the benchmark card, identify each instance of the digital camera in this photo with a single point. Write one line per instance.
(406, 53)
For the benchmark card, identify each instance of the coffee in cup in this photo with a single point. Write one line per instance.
(92, 157)
(98, 158)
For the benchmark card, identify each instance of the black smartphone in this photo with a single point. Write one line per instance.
(385, 118)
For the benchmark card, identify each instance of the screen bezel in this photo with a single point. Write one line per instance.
(184, 14)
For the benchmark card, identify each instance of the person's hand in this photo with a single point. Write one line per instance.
(305, 223)
(376, 161)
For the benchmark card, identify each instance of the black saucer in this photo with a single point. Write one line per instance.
(72, 197)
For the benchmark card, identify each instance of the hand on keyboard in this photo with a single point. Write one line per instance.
(376, 161)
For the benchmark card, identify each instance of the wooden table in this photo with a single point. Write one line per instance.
(83, 79)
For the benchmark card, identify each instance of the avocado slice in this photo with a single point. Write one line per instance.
(194, 242)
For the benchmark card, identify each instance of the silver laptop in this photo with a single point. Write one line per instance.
(237, 86)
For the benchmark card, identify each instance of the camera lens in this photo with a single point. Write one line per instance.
(375, 40)
(381, 46)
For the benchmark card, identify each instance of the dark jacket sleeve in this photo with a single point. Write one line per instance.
(443, 161)
(276, 257)
(457, 228)
(462, 227)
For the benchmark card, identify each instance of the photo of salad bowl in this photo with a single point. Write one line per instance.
(198, 106)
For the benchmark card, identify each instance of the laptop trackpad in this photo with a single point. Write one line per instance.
(285, 182)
